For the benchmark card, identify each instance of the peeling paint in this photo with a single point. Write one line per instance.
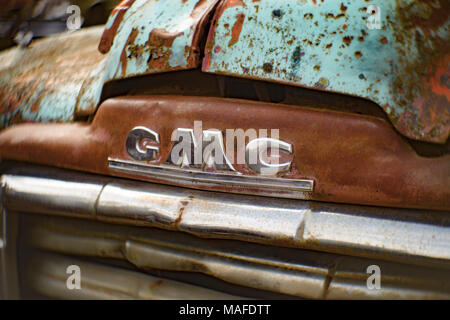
(154, 37)
(399, 66)
(53, 80)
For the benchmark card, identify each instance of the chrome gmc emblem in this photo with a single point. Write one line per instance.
(198, 158)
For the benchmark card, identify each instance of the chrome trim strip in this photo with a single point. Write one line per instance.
(296, 272)
(46, 274)
(419, 237)
(211, 178)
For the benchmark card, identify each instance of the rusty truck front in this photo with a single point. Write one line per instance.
(221, 149)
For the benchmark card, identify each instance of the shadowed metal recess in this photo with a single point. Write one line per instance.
(412, 248)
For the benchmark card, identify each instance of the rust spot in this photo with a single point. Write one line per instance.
(233, 3)
(156, 284)
(176, 223)
(237, 28)
(358, 54)
(343, 8)
(159, 44)
(267, 67)
(332, 16)
(323, 83)
(328, 46)
(162, 38)
(124, 56)
(277, 13)
(384, 40)
(347, 40)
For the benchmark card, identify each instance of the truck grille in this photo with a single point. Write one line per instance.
(142, 240)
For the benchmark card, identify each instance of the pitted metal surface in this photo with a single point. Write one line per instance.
(326, 45)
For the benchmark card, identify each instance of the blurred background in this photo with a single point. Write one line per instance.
(23, 20)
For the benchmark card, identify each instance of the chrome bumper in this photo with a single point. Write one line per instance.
(411, 247)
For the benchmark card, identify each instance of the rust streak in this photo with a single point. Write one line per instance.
(109, 34)
(237, 28)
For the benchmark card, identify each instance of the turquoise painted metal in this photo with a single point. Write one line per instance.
(335, 46)
(53, 80)
(59, 78)
(326, 45)
(155, 36)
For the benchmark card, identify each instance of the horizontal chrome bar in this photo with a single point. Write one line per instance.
(418, 237)
(296, 272)
(169, 173)
(46, 274)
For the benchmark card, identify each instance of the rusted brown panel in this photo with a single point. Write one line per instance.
(351, 158)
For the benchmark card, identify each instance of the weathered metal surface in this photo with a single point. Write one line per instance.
(302, 273)
(144, 37)
(53, 80)
(62, 77)
(345, 155)
(46, 274)
(326, 45)
(411, 236)
(322, 45)
(113, 24)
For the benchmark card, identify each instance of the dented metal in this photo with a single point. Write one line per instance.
(410, 236)
(300, 273)
(326, 45)
(145, 37)
(45, 273)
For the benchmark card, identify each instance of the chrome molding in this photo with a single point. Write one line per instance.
(192, 177)
(296, 272)
(418, 237)
(46, 274)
